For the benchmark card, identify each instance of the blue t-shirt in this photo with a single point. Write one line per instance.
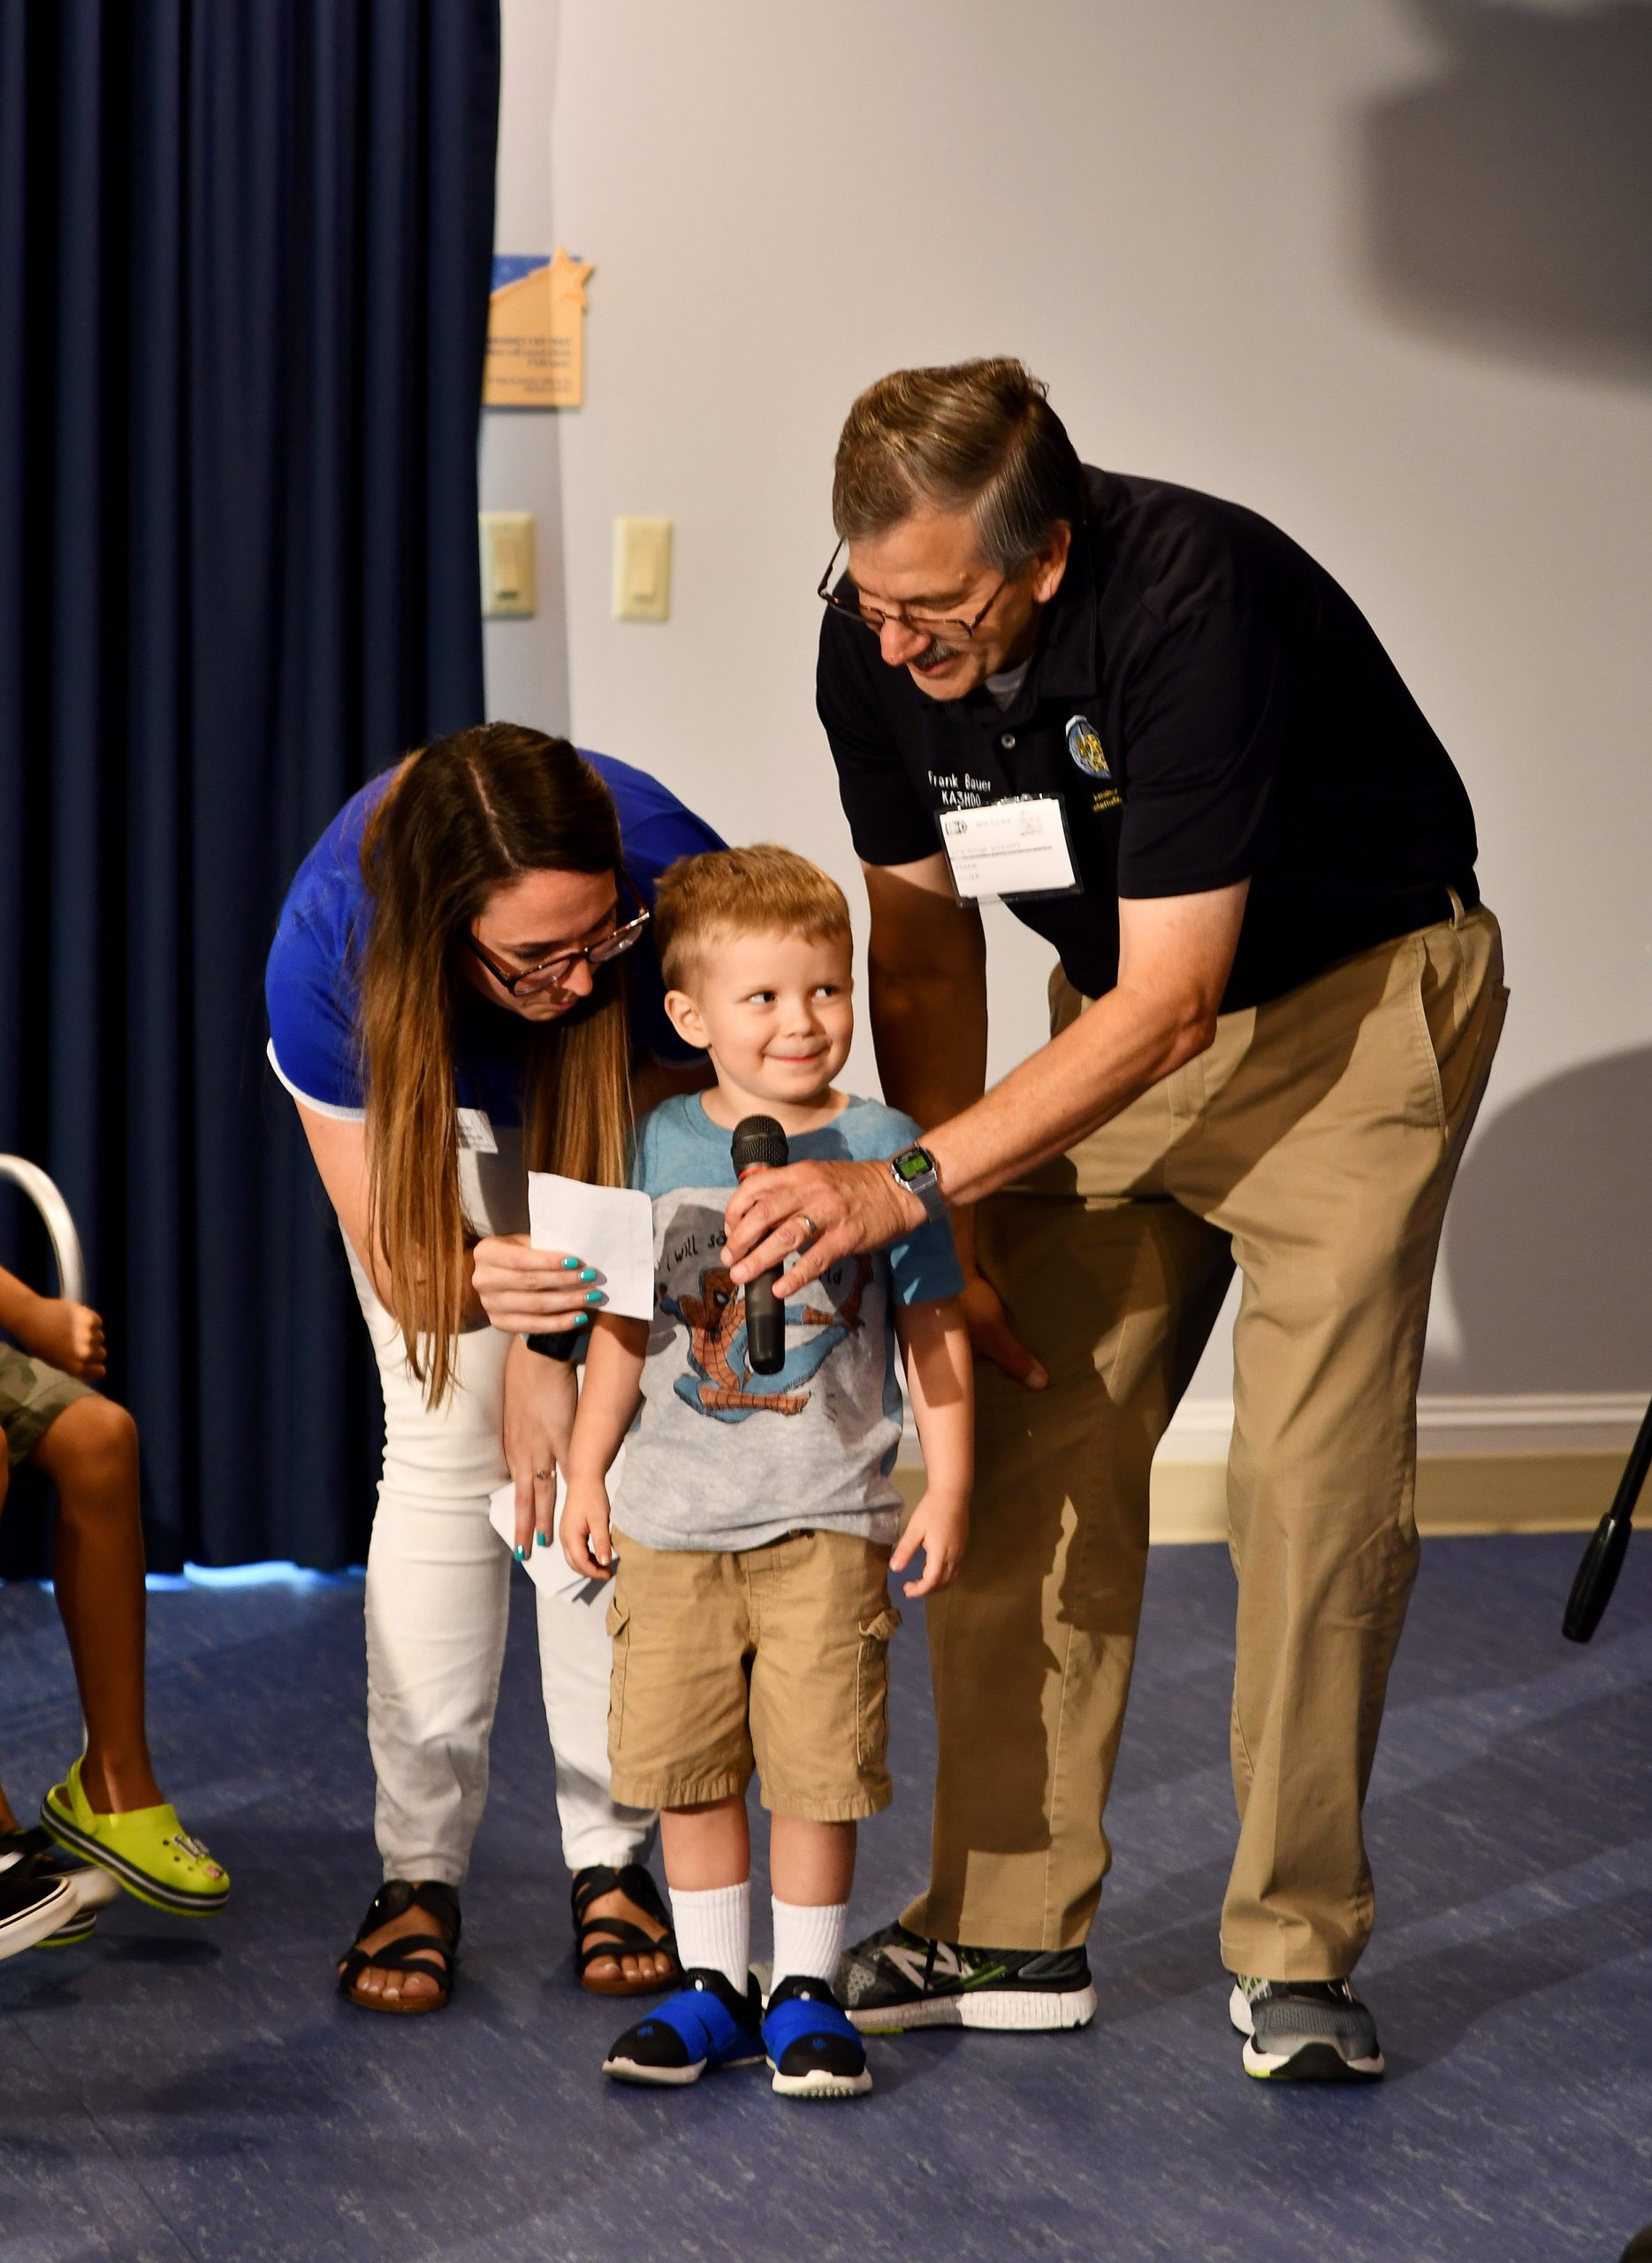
(719, 1457)
(312, 980)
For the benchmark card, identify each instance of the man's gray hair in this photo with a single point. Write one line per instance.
(978, 437)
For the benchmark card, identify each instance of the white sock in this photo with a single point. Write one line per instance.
(713, 1931)
(808, 1941)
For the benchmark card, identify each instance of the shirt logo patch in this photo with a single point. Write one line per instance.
(1084, 745)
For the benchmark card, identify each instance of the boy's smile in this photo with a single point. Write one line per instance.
(776, 1012)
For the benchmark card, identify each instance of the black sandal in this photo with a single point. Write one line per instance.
(434, 1954)
(623, 1938)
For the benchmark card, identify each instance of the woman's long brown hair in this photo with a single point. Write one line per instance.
(465, 816)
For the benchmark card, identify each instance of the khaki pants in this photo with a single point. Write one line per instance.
(1313, 1145)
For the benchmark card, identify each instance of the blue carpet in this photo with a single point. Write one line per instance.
(177, 2090)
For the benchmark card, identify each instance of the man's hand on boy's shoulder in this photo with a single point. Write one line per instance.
(68, 1335)
(939, 1525)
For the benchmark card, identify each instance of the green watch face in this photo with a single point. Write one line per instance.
(913, 1164)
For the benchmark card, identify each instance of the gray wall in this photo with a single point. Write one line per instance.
(1376, 267)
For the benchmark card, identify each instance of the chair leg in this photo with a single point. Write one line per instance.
(1604, 1557)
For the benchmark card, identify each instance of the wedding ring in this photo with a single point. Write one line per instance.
(542, 1474)
(809, 1231)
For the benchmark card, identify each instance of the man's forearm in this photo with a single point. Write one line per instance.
(930, 1037)
(1123, 1045)
(931, 1043)
(1175, 956)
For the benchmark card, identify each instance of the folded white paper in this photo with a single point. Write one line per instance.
(611, 1227)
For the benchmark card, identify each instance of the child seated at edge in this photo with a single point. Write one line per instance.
(755, 1520)
(109, 1808)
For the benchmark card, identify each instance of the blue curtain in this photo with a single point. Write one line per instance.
(244, 265)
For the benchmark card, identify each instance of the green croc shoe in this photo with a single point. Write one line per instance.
(148, 1849)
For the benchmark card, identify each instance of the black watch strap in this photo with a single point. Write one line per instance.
(560, 1346)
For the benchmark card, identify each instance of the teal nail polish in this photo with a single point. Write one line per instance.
(521, 1552)
(542, 1540)
(590, 1273)
(582, 1320)
(572, 1264)
(596, 1297)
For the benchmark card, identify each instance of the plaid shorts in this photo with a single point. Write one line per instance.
(32, 1397)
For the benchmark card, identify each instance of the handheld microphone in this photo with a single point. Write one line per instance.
(760, 1145)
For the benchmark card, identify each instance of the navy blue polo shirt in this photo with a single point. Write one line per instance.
(312, 980)
(1210, 707)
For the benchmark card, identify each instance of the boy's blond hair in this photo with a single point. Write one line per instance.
(763, 890)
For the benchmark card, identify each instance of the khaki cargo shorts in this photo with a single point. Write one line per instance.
(776, 1657)
(32, 1397)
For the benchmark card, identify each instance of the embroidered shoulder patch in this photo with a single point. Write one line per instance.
(1084, 745)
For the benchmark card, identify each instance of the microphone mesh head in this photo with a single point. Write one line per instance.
(758, 1141)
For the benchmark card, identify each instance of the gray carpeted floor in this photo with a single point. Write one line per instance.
(177, 2090)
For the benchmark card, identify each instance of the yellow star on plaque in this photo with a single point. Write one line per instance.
(566, 280)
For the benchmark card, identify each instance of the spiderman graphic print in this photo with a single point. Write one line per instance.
(722, 1384)
(718, 1457)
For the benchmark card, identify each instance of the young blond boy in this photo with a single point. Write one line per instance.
(755, 1520)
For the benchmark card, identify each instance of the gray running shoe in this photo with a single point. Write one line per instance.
(35, 1900)
(90, 1886)
(1305, 2030)
(896, 1979)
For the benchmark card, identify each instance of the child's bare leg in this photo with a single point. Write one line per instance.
(811, 2043)
(90, 1454)
(713, 2020)
(810, 1863)
(706, 1847)
(8, 1821)
(811, 1868)
(708, 1868)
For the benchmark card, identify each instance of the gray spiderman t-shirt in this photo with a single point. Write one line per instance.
(719, 1457)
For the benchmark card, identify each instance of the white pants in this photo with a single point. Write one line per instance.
(437, 1598)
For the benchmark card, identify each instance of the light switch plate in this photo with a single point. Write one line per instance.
(641, 569)
(507, 564)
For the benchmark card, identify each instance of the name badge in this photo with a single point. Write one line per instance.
(475, 1131)
(1006, 850)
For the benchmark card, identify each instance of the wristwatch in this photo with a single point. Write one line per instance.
(914, 1169)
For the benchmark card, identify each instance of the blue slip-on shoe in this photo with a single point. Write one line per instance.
(812, 2044)
(708, 2023)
